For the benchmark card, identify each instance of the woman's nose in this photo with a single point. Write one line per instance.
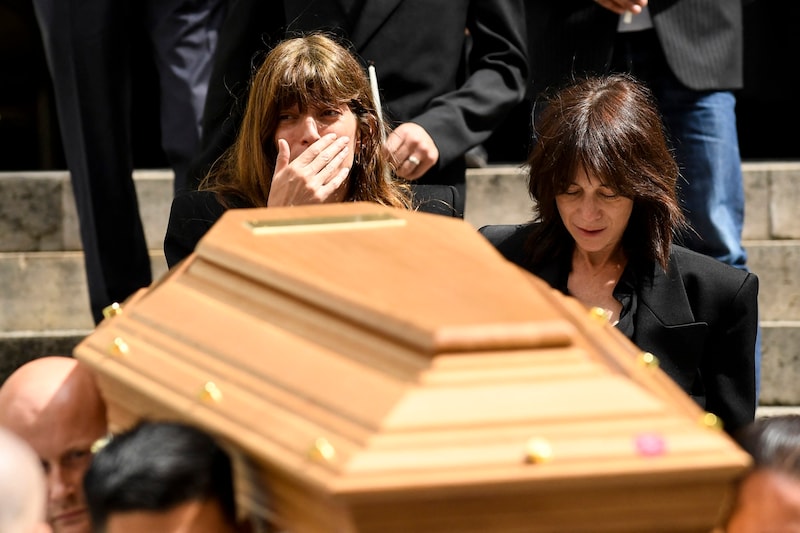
(590, 208)
(310, 130)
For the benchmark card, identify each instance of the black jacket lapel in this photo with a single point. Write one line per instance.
(370, 20)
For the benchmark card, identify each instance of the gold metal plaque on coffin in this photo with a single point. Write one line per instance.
(378, 370)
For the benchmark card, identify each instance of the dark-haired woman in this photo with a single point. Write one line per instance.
(604, 183)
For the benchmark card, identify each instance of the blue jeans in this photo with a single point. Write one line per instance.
(701, 126)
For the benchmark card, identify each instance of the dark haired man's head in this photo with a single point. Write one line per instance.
(769, 496)
(161, 476)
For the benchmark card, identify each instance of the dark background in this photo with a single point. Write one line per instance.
(29, 138)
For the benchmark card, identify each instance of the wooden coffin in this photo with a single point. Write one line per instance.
(377, 370)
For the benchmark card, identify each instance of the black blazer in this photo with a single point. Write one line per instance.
(418, 49)
(699, 318)
(192, 214)
(701, 39)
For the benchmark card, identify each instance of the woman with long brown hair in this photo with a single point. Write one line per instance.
(310, 93)
(311, 133)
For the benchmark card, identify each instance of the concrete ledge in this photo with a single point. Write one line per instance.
(37, 210)
(46, 291)
(495, 195)
(770, 410)
(780, 363)
(33, 211)
(771, 195)
(756, 200)
(776, 264)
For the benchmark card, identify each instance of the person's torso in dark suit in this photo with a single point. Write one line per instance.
(701, 39)
(418, 48)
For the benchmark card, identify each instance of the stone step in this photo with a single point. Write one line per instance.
(780, 362)
(776, 263)
(780, 367)
(47, 290)
(498, 195)
(37, 211)
(770, 410)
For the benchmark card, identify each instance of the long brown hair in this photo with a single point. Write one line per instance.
(312, 70)
(609, 126)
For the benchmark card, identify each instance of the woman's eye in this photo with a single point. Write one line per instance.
(330, 115)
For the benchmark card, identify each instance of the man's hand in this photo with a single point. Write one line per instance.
(412, 150)
(315, 177)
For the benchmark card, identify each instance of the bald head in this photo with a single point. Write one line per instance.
(54, 405)
(22, 487)
(48, 385)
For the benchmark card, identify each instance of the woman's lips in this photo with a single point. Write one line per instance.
(590, 231)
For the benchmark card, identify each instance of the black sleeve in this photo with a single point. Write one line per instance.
(191, 215)
(510, 240)
(444, 200)
(496, 81)
(728, 369)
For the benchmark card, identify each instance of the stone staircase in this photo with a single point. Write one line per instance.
(45, 303)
